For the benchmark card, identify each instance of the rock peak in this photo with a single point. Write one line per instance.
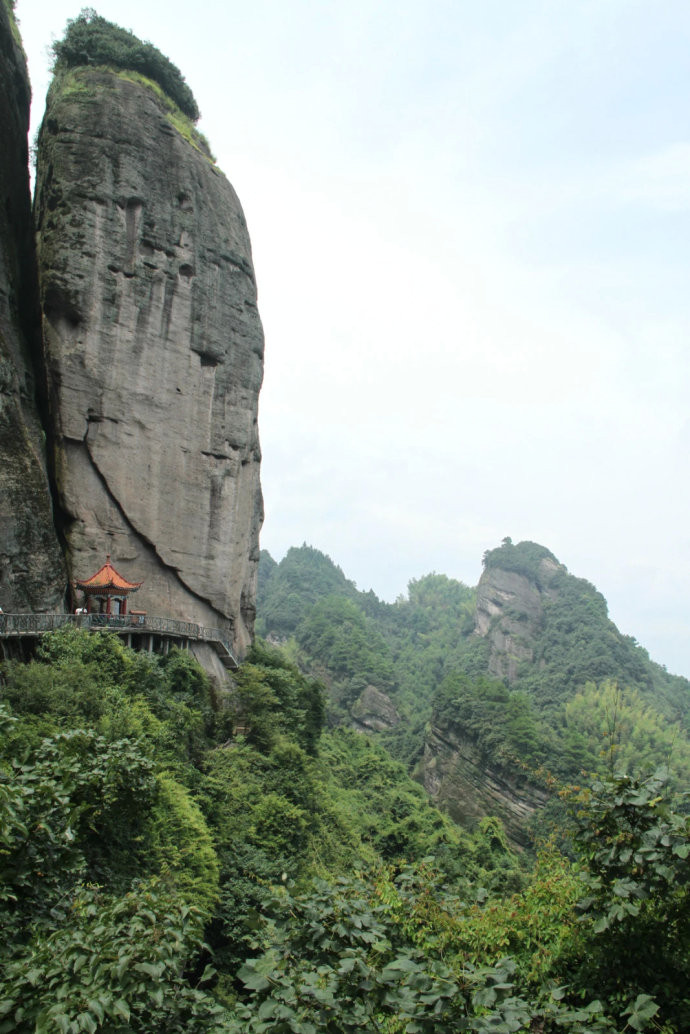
(510, 595)
(154, 350)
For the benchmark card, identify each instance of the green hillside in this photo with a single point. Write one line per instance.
(136, 797)
(589, 698)
(177, 856)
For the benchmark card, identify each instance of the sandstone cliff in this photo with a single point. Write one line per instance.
(517, 588)
(468, 786)
(509, 613)
(374, 711)
(32, 574)
(154, 350)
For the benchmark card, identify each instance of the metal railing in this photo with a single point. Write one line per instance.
(37, 624)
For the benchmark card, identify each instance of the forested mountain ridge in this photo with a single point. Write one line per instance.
(562, 623)
(527, 668)
(178, 856)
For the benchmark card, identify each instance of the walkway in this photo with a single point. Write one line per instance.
(166, 630)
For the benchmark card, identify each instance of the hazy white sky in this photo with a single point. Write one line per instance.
(471, 232)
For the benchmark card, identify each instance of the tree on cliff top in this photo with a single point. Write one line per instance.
(522, 557)
(92, 40)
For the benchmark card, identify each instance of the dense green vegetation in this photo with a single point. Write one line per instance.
(406, 647)
(525, 558)
(501, 722)
(179, 856)
(139, 803)
(287, 591)
(92, 40)
(177, 859)
(429, 962)
(424, 653)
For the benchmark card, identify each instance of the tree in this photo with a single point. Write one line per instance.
(92, 40)
(635, 848)
(360, 955)
(118, 963)
(337, 963)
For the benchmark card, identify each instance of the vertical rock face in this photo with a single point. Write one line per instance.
(509, 613)
(154, 351)
(469, 786)
(32, 575)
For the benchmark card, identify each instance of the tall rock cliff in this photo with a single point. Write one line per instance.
(510, 605)
(32, 574)
(154, 350)
(548, 631)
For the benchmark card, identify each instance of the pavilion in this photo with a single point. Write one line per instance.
(106, 591)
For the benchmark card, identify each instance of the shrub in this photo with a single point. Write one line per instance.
(92, 40)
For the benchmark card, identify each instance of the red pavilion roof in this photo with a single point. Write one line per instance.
(108, 579)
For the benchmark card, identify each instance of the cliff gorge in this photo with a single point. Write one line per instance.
(32, 574)
(154, 349)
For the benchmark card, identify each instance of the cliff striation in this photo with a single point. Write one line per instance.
(154, 349)
(517, 593)
(32, 573)
(461, 781)
(509, 613)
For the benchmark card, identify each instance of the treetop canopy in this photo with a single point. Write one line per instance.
(92, 40)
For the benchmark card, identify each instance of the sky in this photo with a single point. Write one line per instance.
(471, 232)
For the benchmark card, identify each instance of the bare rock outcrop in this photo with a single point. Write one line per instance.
(509, 613)
(154, 350)
(374, 711)
(32, 572)
(465, 784)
